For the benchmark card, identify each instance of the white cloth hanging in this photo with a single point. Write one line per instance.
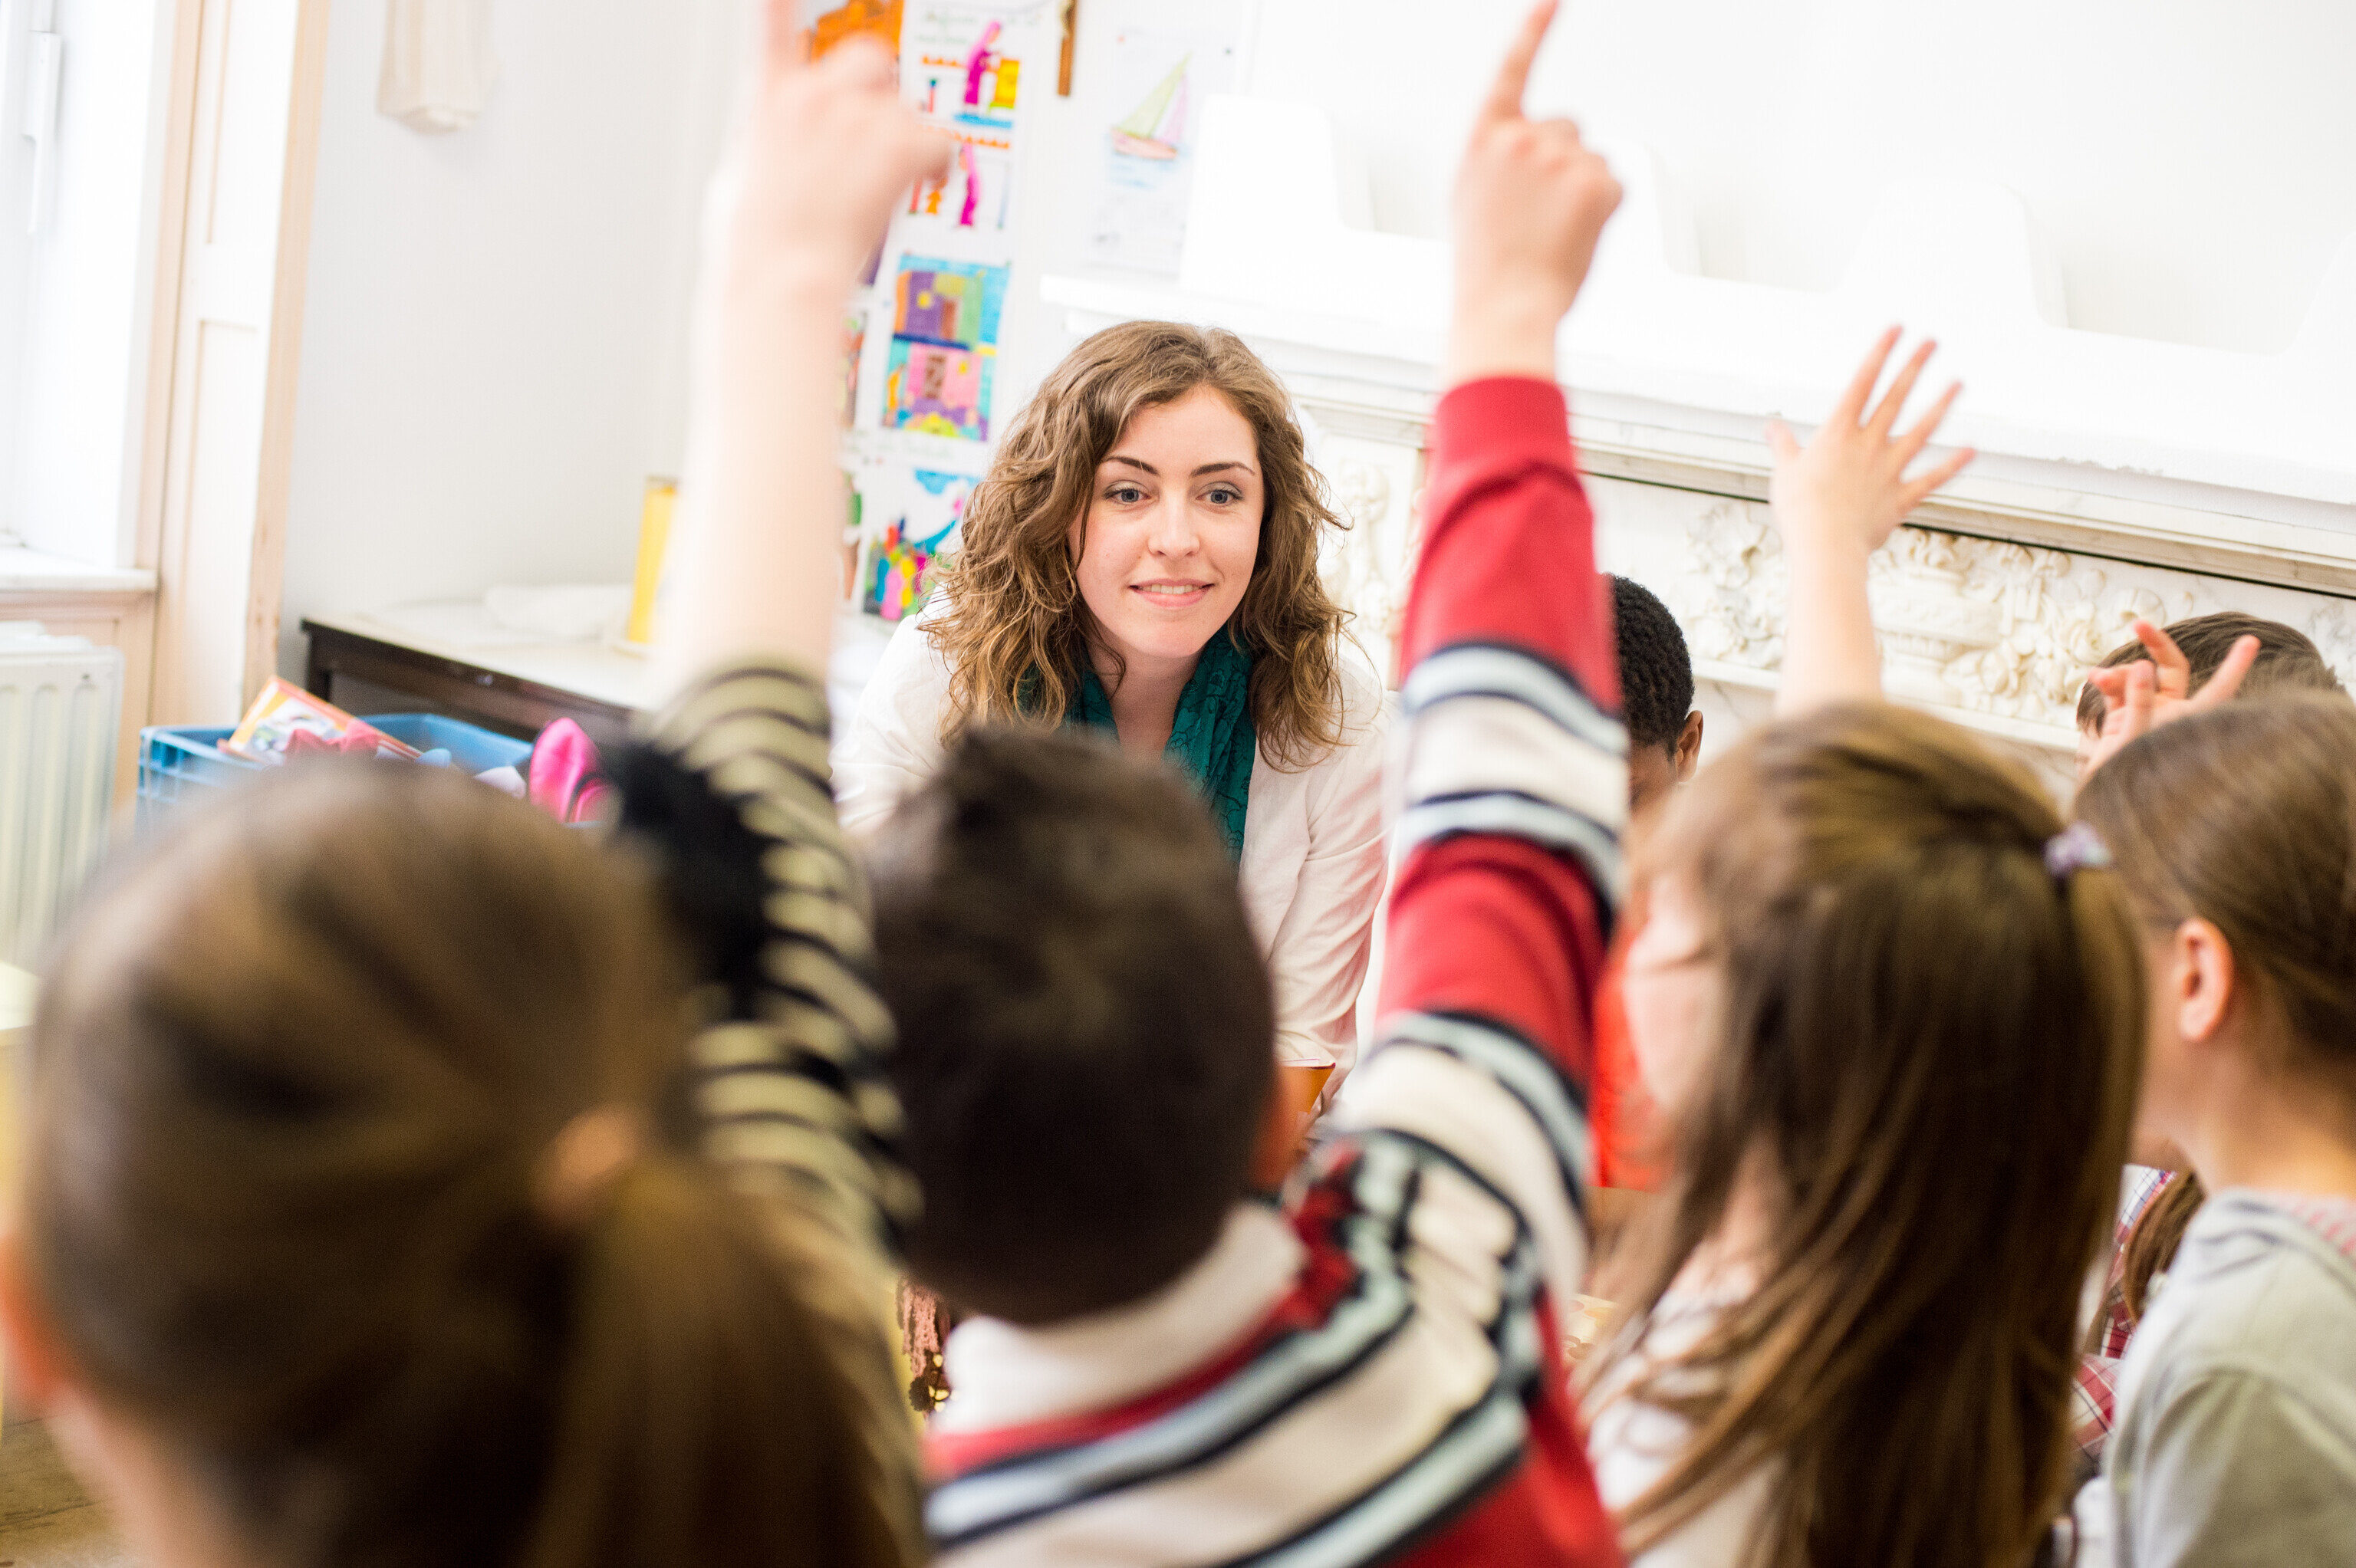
(438, 65)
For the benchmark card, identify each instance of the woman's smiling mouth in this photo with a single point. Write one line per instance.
(1169, 595)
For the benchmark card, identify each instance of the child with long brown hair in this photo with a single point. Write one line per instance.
(2181, 665)
(365, 1221)
(1891, 1014)
(2234, 835)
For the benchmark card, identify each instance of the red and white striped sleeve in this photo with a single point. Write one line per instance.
(1514, 795)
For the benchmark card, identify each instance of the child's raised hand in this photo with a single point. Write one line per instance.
(1531, 201)
(1847, 488)
(2146, 693)
(828, 153)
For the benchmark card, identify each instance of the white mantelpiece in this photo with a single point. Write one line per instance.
(1994, 591)
(2117, 478)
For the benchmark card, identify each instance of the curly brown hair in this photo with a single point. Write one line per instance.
(1013, 626)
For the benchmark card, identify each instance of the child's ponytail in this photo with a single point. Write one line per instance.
(342, 1178)
(1924, 1035)
(2154, 1237)
(710, 1408)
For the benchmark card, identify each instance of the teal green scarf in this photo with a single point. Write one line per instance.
(1213, 738)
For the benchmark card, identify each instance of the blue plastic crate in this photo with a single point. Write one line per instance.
(178, 761)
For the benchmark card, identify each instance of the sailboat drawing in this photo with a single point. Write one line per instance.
(1155, 127)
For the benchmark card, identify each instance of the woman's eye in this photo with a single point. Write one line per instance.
(1226, 496)
(1127, 495)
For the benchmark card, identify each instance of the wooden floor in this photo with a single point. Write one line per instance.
(46, 1519)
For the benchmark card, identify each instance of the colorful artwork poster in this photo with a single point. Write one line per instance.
(977, 196)
(879, 19)
(955, 304)
(964, 67)
(938, 391)
(1155, 79)
(944, 357)
(900, 563)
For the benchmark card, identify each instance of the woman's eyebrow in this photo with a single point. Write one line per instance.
(1138, 463)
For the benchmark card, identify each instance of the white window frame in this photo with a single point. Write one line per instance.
(80, 219)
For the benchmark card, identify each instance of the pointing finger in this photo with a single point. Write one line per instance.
(1505, 100)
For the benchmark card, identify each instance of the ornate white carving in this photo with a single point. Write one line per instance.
(1928, 619)
(1977, 625)
(2334, 631)
(2050, 617)
(1732, 600)
(1363, 491)
(1365, 567)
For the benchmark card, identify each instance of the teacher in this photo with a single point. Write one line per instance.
(1142, 559)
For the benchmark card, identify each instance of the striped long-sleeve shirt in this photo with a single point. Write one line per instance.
(731, 794)
(1374, 1376)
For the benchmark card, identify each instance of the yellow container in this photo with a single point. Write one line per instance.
(654, 538)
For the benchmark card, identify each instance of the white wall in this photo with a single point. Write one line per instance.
(494, 343)
(88, 303)
(2193, 161)
(494, 353)
(494, 350)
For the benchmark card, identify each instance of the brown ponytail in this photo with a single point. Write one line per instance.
(2158, 1232)
(1928, 1043)
(295, 1081)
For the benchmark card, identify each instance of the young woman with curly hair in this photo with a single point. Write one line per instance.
(1141, 559)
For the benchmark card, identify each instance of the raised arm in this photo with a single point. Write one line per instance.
(1516, 772)
(794, 218)
(731, 794)
(1835, 501)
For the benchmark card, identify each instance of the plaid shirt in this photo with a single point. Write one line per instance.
(2097, 1389)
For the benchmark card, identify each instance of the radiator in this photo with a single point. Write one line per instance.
(60, 706)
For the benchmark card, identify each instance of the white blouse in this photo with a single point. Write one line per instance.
(1631, 1446)
(1313, 851)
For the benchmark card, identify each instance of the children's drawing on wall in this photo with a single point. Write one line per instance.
(1157, 124)
(963, 67)
(943, 347)
(900, 561)
(879, 19)
(1153, 79)
(962, 70)
(977, 196)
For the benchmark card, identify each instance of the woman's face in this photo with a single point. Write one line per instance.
(1167, 544)
(1671, 985)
